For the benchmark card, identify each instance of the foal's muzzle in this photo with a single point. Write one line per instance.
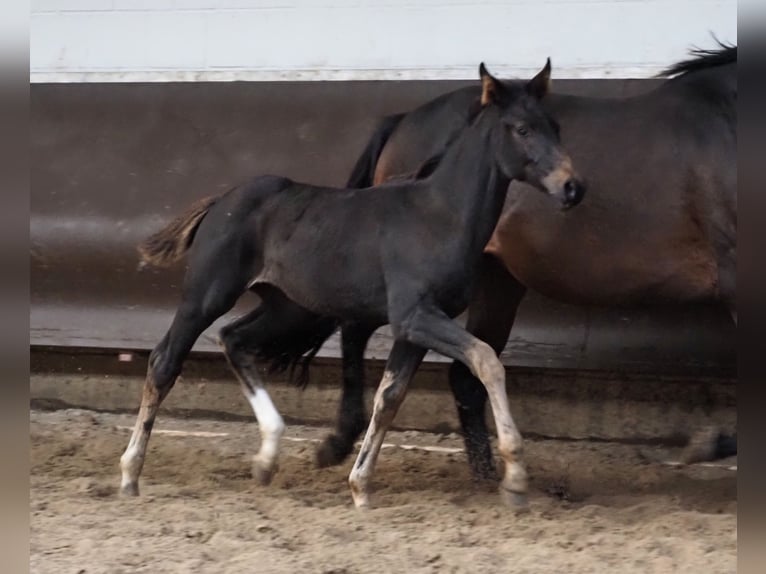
(564, 184)
(574, 191)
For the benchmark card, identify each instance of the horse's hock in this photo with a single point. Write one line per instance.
(622, 374)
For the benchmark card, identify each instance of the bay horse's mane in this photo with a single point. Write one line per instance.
(429, 166)
(702, 60)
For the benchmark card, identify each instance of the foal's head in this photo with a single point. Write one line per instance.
(527, 140)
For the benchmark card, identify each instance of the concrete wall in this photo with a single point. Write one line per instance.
(112, 162)
(549, 402)
(210, 40)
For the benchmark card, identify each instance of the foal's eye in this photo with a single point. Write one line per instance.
(522, 131)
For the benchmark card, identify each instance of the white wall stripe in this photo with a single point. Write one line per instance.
(321, 40)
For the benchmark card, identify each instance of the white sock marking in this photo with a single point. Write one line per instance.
(271, 424)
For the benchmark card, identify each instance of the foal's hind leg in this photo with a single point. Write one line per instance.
(351, 416)
(430, 328)
(400, 368)
(196, 313)
(491, 315)
(239, 339)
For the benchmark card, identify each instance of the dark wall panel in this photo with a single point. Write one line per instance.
(111, 162)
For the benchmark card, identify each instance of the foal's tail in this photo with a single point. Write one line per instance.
(171, 242)
(364, 170)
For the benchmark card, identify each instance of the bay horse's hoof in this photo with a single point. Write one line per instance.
(701, 447)
(262, 475)
(517, 501)
(331, 452)
(486, 473)
(129, 489)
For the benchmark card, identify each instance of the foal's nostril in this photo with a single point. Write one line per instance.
(573, 192)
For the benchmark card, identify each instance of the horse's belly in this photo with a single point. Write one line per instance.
(326, 292)
(605, 270)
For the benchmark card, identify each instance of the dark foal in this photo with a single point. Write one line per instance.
(659, 226)
(407, 252)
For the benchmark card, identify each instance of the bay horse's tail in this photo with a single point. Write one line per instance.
(364, 169)
(173, 241)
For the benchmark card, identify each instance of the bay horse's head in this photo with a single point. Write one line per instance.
(528, 144)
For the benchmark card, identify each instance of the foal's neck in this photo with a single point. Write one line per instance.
(469, 182)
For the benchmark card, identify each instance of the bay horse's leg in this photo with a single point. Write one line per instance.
(432, 329)
(726, 445)
(198, 310)
(400, 368)
(708, 443)
(351, 418)
(491, 314)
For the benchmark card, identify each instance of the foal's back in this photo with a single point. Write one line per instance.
(334, 239)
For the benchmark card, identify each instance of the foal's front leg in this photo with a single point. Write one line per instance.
(428, 327)
(491, 314)
(400, 368)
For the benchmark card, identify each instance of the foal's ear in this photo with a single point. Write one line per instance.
(541, 83)
(490, 86)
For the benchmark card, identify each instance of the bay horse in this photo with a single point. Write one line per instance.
(659, 224)
(403, 254)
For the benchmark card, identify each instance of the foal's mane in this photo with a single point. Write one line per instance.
(429, 166)
(702, 60)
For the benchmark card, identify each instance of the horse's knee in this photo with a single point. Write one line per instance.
(484, 363)
(387, 399)
(391, 394)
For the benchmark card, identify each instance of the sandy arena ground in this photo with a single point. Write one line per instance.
(594, 507)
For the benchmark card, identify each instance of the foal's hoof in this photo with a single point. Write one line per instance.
(263, 475)
(516, 501)
(330, 452)
(361, 500)
(360, 493)
(129, 489)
